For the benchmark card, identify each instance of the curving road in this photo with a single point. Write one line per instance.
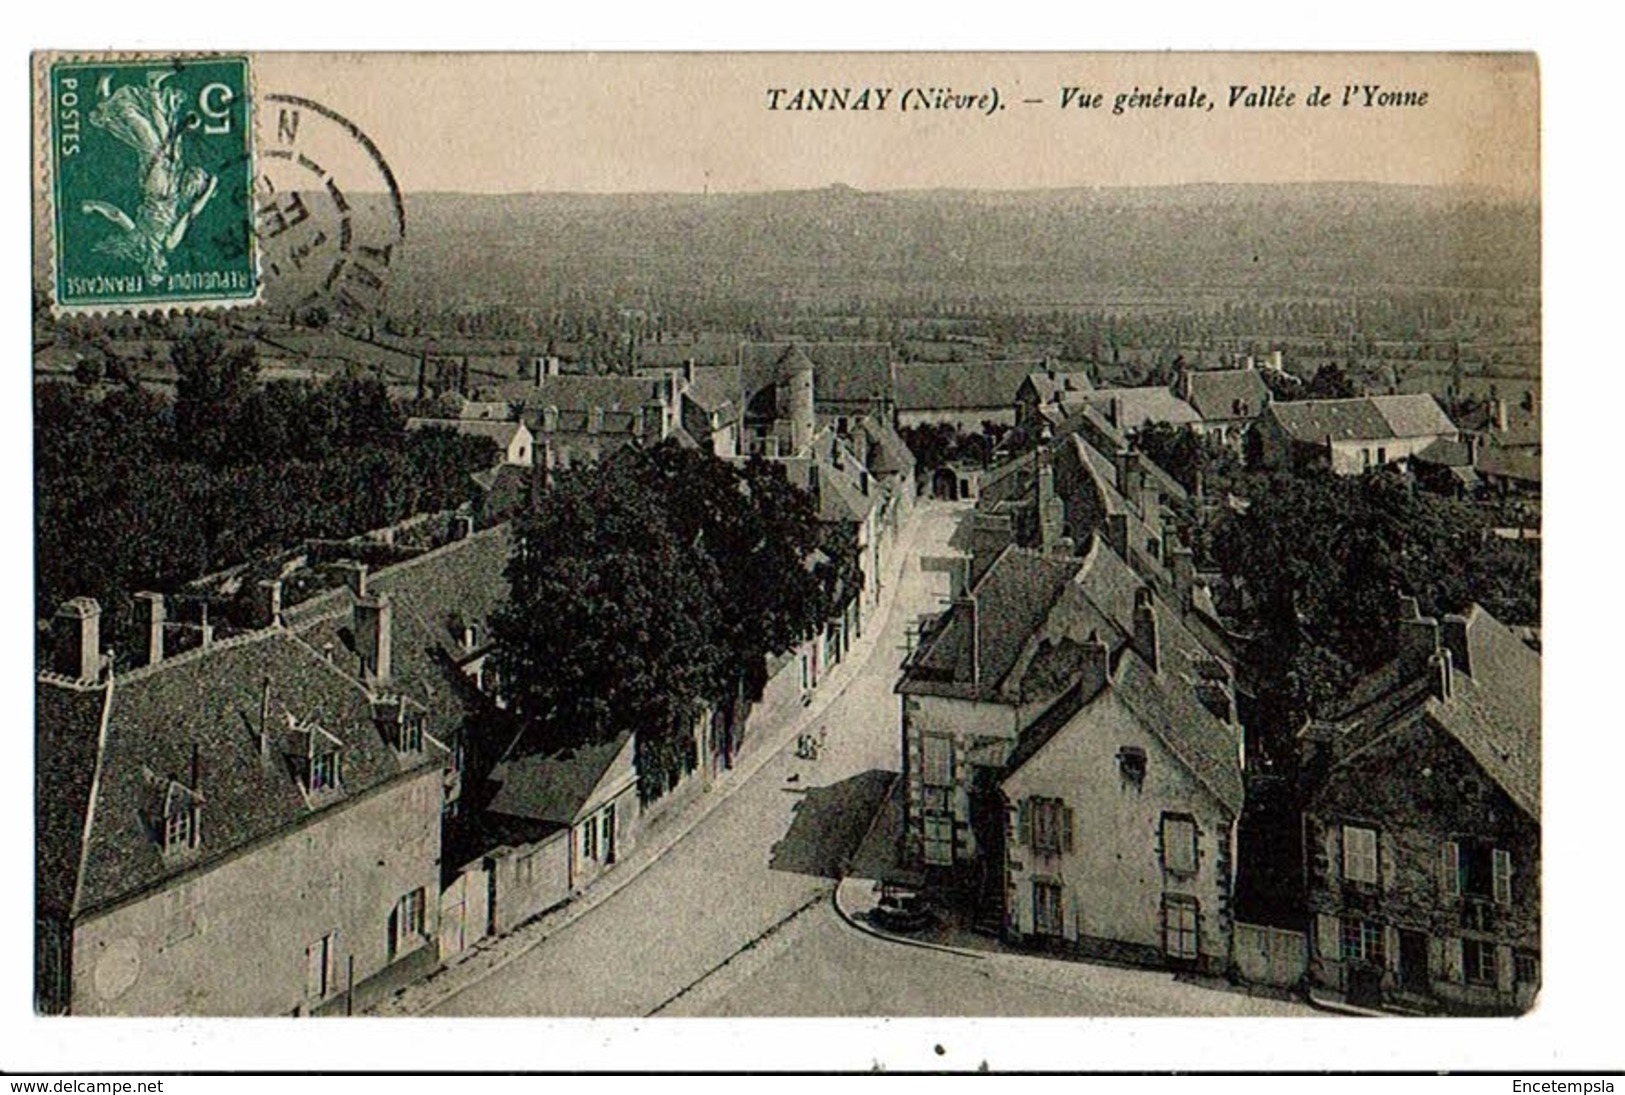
(737, 917)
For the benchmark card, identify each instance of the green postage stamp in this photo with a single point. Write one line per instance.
(151, 183)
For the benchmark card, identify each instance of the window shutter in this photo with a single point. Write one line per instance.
(395, 929)
(314, 959)
(1334, 852)
(1450, 869)
(1331, 936)
(1024, 822)
(1066, 828)
(1503, 968)
(1501, 867)
(1453, 960)
(1390, 947)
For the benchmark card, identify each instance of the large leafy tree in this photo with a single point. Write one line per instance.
(1323, 560)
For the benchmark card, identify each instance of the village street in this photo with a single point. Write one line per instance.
(736, 918)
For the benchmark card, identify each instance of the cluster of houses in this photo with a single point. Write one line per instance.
(1074, 756)
(302, 793)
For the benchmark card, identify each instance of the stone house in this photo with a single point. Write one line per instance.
(1421, 824)
(1348, 435)
(239, 829)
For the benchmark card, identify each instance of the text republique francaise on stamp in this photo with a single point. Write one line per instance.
(151, 183)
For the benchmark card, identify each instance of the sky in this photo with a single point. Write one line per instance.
(606, 122)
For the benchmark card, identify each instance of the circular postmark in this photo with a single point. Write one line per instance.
(329, 219)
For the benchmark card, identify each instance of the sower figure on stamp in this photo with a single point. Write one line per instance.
(172, 194)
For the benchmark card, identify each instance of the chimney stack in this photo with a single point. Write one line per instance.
(1418, 634)
(372, 636)
(688, 371)
(1453, 638)
(1498, 413)
(1276, 361)
(1145, 629)
(355, 576)
(269, 604)
(1097, 664)
(1444, 684)
(77, 637)
(149, 618)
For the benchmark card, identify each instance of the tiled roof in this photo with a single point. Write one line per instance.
(1364, 418)
(705, 350)
(1509, 463)
(1012, 600)
(1164, 702)
(1446, 452)
(889, 454)
(1415, 415)
(1050, 385)
(959, 386)
(1138, 406)
(433, 597)
(67, 734)
(1227, 393)
(1493, 710)
(208, 699)
(554, 787)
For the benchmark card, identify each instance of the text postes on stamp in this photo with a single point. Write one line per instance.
(152, 183)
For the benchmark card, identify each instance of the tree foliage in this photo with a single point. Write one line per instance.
(648, 588)
(1323, 561)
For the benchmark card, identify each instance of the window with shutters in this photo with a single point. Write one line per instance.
(1362, 941)
(321, 967)
(1478, 961)
(1179, 844)
(1450, 869)
(937, 761)
(1047, 916)
(1181, 917)
(1526, 968)
(407, 924)
(1360, 855)
(1051, 821)
(1485, 871)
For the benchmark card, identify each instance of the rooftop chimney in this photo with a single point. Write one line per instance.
(355, 576)
(1145, 629)
(149, 617)
(76, 634)
(1453, 637)
(269, 602)
(1097, 664)
(1498, 411)
(372, 636)
(1276, 361)
(1444, 684)
(1418, 634)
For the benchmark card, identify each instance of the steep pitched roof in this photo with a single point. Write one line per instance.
(959, 386)
(1012, 600)
(1050, 385)
(208, 699)
(1101, 600)
(1493, 710)
(888, 454)
(557, 787)
(1138, 406)
(434, 597)
(1227, 393)
(1414, 415)
(1363, 418)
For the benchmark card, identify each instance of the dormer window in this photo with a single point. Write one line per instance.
(182, 815)
(324, 757)
(410, 731)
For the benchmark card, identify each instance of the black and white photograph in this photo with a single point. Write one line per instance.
(658, 536)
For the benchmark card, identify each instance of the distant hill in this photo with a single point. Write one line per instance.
(1040, 246)
(1043, 245)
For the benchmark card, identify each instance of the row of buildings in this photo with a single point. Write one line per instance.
(1076, 761)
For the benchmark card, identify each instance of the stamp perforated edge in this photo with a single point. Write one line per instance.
(44, 219)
